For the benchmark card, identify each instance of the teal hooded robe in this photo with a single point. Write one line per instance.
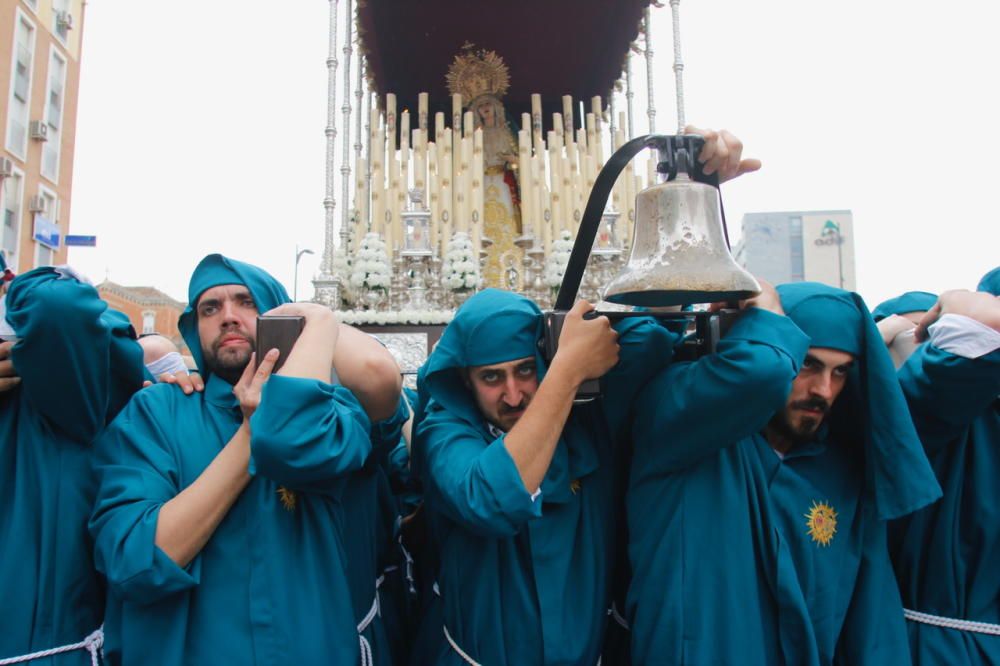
(741, 557)
(947, 556)
(78, 363)
(273, 585)
(519, 582)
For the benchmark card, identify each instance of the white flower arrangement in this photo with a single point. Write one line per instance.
(555, 264)
(461, 268)
(359, 317)
(371, 264)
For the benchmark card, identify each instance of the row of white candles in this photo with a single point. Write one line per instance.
(555, 173)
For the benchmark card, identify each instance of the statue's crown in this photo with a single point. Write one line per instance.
(474, 73)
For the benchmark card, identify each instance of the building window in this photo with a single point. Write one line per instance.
(61, 19)
(797, 265)
(22, 58)
(11, 195)
(45, 255)
(53, 116)
(148, 322)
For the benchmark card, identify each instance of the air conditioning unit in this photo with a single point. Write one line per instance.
(38, 130)
(64, 20)
(6, 167)
(36, 204)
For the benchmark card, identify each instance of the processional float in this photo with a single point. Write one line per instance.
(468, 199)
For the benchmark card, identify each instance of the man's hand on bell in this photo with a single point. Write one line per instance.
(723, 154)
(588, 348)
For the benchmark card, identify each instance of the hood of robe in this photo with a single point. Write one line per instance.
(871, 410)
(496, 326)
(124, 372)
(215, 270)
(911, 301)
(991, 282)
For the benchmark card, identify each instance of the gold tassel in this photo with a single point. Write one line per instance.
(574, 486)
(288, 498)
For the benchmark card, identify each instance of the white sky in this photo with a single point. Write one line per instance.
(201, 124)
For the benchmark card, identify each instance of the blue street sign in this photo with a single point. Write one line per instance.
(46, 232)
(81, 241)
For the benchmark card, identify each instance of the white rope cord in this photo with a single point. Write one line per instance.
(952, 623)
(409, 567)
(92, 644)
(454, 646)
(678, 65)
(617, 617)
(367, 658)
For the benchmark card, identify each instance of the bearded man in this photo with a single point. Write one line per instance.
(220, 518)
(761, 481)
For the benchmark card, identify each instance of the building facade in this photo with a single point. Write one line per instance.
(149, 309)
(39, 81)
(796, 246)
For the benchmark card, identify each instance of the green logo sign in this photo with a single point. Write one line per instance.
(830, 234)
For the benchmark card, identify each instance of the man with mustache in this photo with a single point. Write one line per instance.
(220, 519)
(761, 481)
(947, 556)
(520, 483)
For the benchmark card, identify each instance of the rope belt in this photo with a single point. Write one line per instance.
(617, 617)
(367, 658)
(454, 646)
(950, 623)
(92, 644)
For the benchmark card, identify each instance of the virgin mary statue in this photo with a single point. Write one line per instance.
(482, 78)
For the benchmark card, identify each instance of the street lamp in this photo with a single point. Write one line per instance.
(298, 255)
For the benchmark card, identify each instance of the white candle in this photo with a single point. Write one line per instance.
(468, 124)
(536, 123)
(438, 126)
(524, 178)
(390, 121)
(535, 202)
(477, 190)
(598, 110)
(420, 163)
(447, 203)
(422, 100)
(433, 201)
(404, 137)
(567, 102)
(456, 111)
(360, 203)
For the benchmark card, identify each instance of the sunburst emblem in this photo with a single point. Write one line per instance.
(822, 523)
(287, 497)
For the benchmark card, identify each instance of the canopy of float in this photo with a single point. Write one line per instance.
(552, 47)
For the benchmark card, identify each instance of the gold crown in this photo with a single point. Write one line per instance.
(478, 73)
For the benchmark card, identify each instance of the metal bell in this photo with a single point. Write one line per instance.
(679, 255)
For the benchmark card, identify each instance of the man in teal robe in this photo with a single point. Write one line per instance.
(947, 556)
(77, 364)
(519, 484)
(220, 520)
(761, 481)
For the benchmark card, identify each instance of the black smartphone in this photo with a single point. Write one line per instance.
(277, 332)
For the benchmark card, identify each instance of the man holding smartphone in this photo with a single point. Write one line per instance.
(219, 522)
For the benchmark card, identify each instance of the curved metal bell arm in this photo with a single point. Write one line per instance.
(668, 147)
